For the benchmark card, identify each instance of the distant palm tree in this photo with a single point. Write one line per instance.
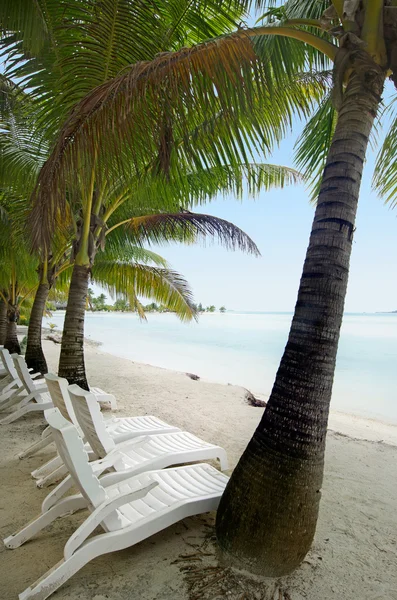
(222, 309)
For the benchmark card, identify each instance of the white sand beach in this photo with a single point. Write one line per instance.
(355, 551)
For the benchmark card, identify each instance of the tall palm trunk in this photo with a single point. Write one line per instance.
(3, 322)
(12, 343)
(34, 355)
(71, 362)
(268, 514)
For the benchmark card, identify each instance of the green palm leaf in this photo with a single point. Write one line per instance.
(133, 280)
(385, 172)
(188, 228)
(312, 147)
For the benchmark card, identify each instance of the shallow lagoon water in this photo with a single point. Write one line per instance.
(245, 349)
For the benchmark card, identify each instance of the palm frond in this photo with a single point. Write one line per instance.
(385, 172)
(188, 228)
(167, 97)
(162, 285)
(26, 18)
(311, 149)
(121, 246)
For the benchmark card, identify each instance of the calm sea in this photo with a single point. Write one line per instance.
(245, 349)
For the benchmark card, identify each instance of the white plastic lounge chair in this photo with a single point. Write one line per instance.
(26, 380)
(128, 512)
(3, 370)
(37, 398)
(46, 438)
(119, 429)
(142, 454)
(12, 390)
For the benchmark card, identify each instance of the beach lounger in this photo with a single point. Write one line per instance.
(119, 429)
(135, 456)
(3, 370)
(36, 399)
(11, 388)
(26, 379)
(128, 511)
(102, 397)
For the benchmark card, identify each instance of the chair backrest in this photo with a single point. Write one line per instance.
(8, 363)
(91, 421)
(23, 372)
(71, 449)
(58, 388)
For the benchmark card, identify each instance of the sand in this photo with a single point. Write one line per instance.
(354, 555)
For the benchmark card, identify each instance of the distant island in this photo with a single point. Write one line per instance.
(122, 305)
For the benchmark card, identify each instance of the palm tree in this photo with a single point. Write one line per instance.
(73, 45)
(3, 317)
(23, 151)
(17, 275)
(267, 516)
(119, 267)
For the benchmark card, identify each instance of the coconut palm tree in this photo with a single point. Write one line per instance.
(267, 516)
(3, 317)
(17, 275)
(23, 151)
(72, 60)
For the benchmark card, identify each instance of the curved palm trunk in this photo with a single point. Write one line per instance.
(12, 343)
(267, 516)
(3, 322)
(71, 362)
(34, 355)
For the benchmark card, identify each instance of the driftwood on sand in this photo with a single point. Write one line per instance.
(252, 401)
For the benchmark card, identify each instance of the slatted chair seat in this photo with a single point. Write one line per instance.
(129, 511)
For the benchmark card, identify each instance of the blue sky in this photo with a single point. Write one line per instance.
(279, 222)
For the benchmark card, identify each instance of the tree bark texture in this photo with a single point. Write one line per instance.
(3, 322)
(12, 343)
(71, 362)
(268, 514)
(34, 355)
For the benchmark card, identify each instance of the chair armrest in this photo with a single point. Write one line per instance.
(99, 514)
(33, 394)
(117, 476)
(99, 466)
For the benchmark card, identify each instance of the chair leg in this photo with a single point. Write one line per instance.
(65, 569)
(223, 460)
(47, 468)
(11, 398)
(36, 447)
(65, 507)
(13, 416)
(53, 477)
(56, 494)
(113, 402)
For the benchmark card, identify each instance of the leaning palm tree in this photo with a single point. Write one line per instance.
(112, 266)
(267, 516)
(72, 60)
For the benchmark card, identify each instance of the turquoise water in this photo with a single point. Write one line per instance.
(245, 349)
